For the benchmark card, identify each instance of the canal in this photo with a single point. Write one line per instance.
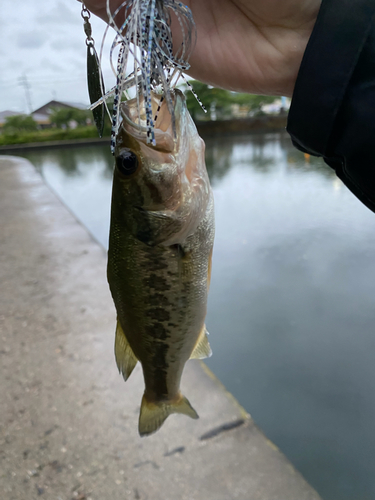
(291, 309)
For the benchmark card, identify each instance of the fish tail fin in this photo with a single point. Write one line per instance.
(153, 414)
(125, 357)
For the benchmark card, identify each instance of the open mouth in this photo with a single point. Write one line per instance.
(133, 113)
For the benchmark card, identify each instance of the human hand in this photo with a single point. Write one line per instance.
(253, 46)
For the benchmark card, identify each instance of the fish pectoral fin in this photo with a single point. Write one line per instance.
(125, 357)
(155, 227)
(202, 348)
(154, 413)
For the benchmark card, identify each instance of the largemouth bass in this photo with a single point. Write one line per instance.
(159, 257)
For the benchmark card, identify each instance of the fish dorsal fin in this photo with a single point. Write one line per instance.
(202, 348)
(125, 357)
(153, 414)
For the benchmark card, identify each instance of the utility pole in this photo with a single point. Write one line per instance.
(25, 84)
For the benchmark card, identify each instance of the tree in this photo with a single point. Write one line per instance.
(253, 101)
(62, 117)
(223, 99)
(19, 123)
(208, 95)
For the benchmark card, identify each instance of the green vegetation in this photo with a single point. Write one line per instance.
(19, 123)
(48, 135)
(223, 100)
(60, 118)
(21, 129)
(63, 116)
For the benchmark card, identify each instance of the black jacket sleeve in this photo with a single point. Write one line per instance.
(333, 106)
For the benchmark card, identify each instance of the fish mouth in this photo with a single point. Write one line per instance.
(134, 121)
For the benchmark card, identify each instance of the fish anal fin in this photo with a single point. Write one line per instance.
(154, 413)
(202, 348)
(125, 357)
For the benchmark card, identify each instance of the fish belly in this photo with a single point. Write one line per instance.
(160, 295)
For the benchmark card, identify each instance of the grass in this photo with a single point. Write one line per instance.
(50, 135)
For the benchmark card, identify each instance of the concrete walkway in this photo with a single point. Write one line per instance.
(68, 420)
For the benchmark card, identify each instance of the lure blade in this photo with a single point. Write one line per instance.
(95, 86)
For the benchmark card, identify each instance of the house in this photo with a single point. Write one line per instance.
(277, 107)
(42, 114)
(5, 114)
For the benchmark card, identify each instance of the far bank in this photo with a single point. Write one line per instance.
(258, 124)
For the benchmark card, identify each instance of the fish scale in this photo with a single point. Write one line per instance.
(159, 257)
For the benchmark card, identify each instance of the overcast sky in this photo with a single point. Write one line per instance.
(44, 41)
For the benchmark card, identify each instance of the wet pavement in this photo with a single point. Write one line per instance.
(68, 420)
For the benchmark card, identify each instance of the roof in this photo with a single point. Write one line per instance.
(48, 108)
(6, 113)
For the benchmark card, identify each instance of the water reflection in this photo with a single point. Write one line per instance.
(73, 161)
(291, 309)
(309, 163)
(82, 178)
(218, 158)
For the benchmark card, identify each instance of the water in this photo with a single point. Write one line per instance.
(291, 309)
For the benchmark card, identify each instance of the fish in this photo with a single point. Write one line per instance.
(160, 251)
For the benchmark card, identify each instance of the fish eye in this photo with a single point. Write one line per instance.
(127, 162)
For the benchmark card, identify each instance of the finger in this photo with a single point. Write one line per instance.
(99, 8)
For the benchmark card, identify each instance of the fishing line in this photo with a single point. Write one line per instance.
(145, 34)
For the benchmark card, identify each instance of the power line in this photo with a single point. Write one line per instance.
(25, 84)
